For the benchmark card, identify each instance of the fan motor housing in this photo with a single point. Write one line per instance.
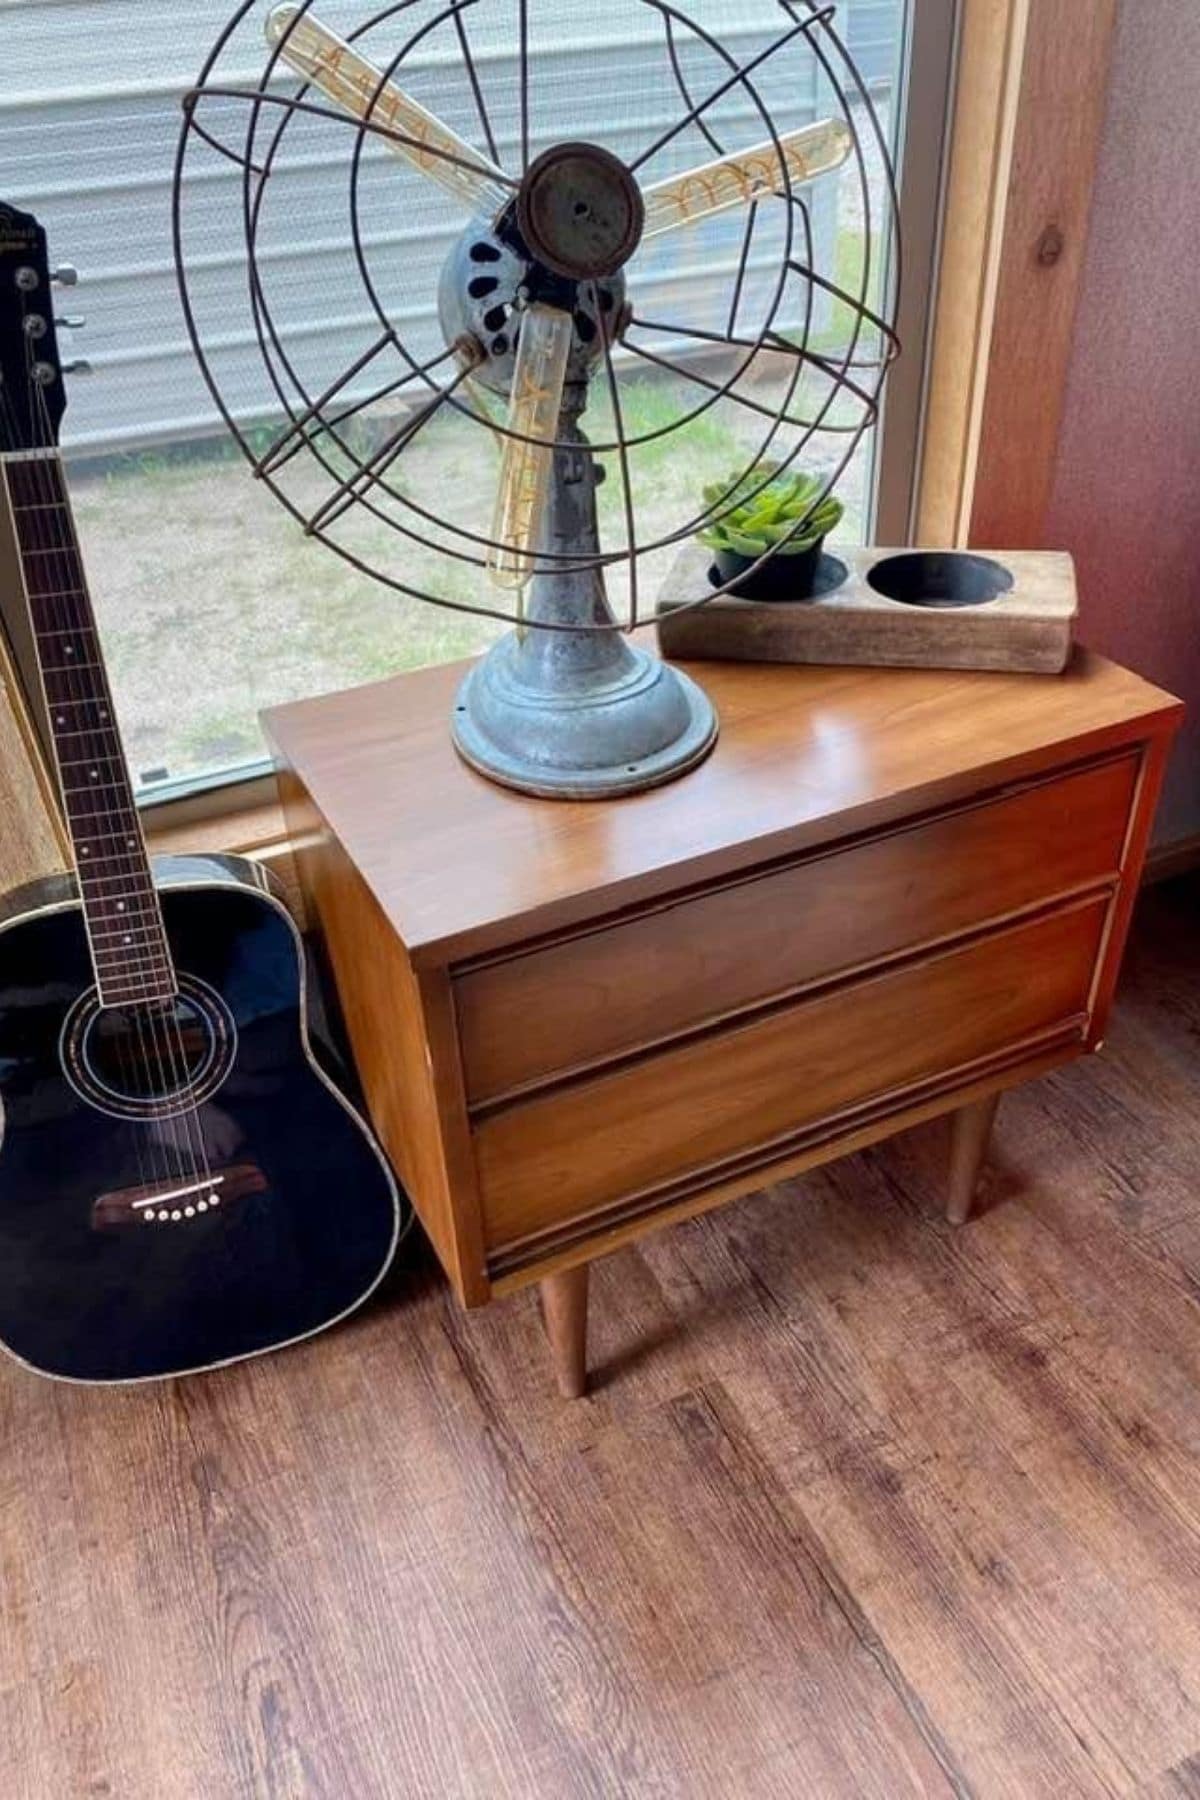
(486, 280)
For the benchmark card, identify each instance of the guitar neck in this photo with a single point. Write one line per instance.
(130, 954)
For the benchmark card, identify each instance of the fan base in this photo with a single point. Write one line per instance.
(631, 723)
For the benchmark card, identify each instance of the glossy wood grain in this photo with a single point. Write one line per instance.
(556, 1156)
(888, 809)
(1057, 134)
(806, 756)
(644, 979)
(410, 1091)
(599, 1234)
(859, 1506)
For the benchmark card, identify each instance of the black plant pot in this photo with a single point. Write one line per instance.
(782, 578)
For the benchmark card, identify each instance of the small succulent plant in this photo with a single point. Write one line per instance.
(769, 519)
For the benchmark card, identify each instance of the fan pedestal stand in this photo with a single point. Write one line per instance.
(578, 714)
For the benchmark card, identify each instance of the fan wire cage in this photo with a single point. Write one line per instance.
(574, 717)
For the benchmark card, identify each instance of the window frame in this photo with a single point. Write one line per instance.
(925, 83)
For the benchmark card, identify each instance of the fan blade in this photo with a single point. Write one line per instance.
(346, 77)
(750, 175)
(526, 468)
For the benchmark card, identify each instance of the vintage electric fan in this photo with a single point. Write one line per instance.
(537, 303)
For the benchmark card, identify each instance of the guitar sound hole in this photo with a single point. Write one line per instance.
(151, 1052)
(151, 1060)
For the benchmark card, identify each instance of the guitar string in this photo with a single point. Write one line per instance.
(147, 1017)
(144, 1023)
(53, 609)
(164, 1033)
(12, 437)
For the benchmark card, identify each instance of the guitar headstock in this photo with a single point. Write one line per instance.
(32, 400)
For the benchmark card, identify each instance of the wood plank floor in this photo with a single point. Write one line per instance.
(860, 1505)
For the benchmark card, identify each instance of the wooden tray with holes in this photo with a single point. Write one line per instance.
(930, 609)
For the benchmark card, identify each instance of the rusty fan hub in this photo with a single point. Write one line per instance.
(580, 211)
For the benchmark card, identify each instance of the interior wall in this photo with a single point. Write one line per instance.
(1126, 497)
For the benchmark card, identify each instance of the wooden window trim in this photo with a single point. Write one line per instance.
(1028, 116)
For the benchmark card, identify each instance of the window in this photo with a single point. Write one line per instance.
(212, 601)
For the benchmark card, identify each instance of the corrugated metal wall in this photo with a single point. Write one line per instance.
(89, 117)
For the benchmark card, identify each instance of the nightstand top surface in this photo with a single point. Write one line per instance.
(806, 755)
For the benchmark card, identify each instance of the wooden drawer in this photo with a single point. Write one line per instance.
(553, 1158)
(638, 981)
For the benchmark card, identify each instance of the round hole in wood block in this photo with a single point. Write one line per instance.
(940, 578)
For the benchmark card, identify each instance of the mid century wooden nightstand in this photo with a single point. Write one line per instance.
(887, 894)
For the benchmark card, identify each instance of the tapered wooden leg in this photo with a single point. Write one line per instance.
(564, 1309)
(971, 1127)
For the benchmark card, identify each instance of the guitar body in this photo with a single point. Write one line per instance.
(179, 1187)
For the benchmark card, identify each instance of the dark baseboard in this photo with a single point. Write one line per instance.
(1168, 860)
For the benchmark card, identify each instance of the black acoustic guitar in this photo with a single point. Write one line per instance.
(180, 1182)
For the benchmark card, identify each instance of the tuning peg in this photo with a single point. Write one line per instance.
(69, 324)
(79, 367)
(66, 274)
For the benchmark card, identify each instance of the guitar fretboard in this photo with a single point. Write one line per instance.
(129, 947)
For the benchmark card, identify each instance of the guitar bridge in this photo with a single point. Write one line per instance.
(170, 1202)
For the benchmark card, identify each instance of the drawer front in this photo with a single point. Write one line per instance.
(589, 998)
(548, 1160)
